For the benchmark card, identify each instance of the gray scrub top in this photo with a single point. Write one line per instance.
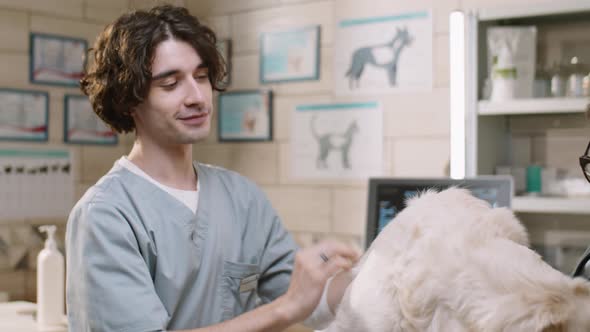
(140, 260)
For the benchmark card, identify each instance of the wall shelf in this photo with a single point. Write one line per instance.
(534, 106)
(551, 205)
(555, 8)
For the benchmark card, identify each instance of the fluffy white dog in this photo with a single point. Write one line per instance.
(451, 263)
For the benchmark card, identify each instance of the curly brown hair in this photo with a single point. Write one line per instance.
(119, 76)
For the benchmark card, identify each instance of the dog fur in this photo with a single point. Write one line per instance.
(450, 262)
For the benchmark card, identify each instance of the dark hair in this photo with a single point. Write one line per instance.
(119, 74)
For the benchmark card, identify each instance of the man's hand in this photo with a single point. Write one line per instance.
(313, 266)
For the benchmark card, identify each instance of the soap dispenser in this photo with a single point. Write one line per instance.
(50, 284)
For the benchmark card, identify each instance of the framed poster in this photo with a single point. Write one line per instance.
(56, 60)
(24, 115)
(384, 54)
(245, 116)
(36, 183)
(82, 125)
(291, 55)
(337, 141)
(224, 48)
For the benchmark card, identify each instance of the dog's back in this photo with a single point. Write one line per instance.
(450, 262)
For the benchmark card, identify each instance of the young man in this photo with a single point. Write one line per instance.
(162, 243)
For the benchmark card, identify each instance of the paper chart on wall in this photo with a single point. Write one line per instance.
(82, 125)
(23, 115)
(57, 59)
(337, 141)
(35, 183)
(384, 54)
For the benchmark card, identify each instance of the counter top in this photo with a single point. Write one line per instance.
(19, 317)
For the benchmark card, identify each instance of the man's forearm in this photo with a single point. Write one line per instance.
(337, 288)
(271, 317)
(277, 315)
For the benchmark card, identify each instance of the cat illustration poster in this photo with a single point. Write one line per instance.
(342, 140)
(384, 54)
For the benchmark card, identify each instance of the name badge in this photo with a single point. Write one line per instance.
(249, 283)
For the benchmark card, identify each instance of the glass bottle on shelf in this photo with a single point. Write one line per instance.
(586, 85)
(558, 81)
(542, 83)
(486, 90)
(574, 86)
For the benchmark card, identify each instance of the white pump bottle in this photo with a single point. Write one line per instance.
(50, 284)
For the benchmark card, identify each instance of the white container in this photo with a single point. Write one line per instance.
(503, 89)
(504, 72)
(511, 61)
(50, 284)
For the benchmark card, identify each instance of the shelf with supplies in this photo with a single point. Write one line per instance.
(534, 106)
(562, 205)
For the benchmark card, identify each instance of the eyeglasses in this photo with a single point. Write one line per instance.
(585, 163)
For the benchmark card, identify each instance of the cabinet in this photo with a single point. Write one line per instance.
(552, 132)
(517, 132)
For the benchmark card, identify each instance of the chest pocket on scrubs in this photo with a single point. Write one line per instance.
(239, 288)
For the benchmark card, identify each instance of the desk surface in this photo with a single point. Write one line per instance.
(19, 317)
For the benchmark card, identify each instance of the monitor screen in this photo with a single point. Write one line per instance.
(387, 196)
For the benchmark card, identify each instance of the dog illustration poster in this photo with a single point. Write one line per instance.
(385, 54)
(337, 140)
(291, 55)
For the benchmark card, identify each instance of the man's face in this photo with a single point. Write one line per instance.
(178, 108)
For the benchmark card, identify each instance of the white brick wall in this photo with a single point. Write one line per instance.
(60, 8)
(66, 27)
(404, 128)
(95, 161)
(14, 68)
(99, 14)
(416, 125)
(348, 207)
(265, 170)
(417, 114)
(306, 209)
(247, 26)
(420, 157)
(14, 31)
(74, 18)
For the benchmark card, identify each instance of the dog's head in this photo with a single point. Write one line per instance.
(565, 311)
(529, 294)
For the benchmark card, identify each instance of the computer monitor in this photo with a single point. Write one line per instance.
(387, 196)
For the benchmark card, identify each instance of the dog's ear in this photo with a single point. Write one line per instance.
(505, 224)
